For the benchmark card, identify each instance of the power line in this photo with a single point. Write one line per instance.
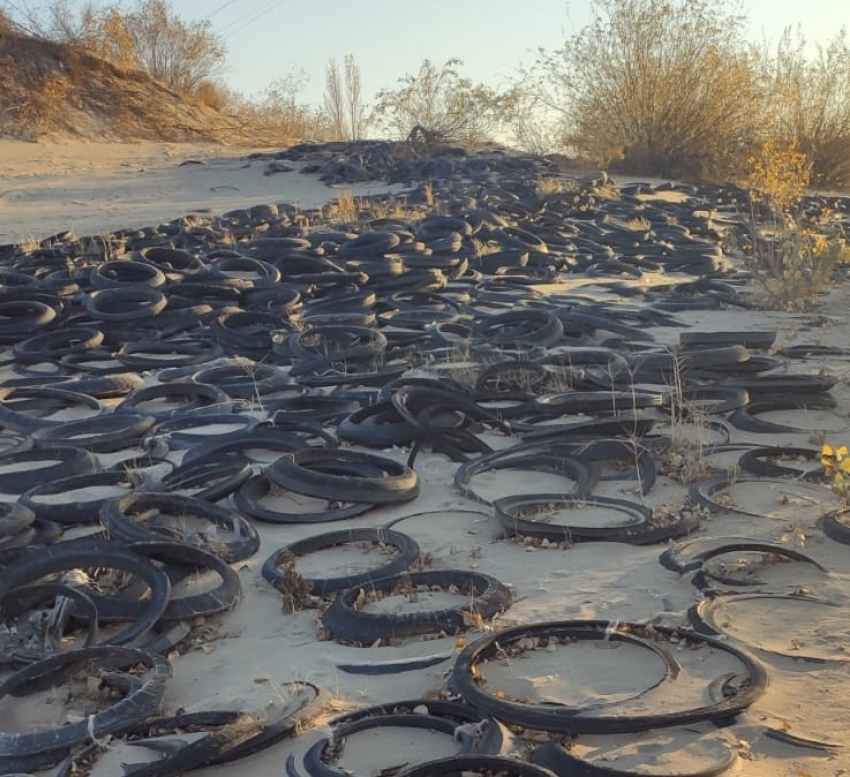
(248, 19)
(220, 8)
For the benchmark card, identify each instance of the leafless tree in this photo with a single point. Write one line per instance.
(355, 110)
(334, 101)
(343, 100)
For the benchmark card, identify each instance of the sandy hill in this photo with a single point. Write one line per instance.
(50, 89)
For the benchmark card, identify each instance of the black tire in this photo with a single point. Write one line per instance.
(51, 346)
(746, 418)
(759, 461)
(178, 555)
(537, 458)
(14, 518)
(377, 426)
(247, 498)
(101, 434)
(237, 445)
(558, 757)
(169, 354)
(687, 557)
(594, 402)
(41, 402)
(320, 759)
(577, 720)
(216, 749)
(487, 598)
(18, 601)
(302, 473)
(211, 479)
(193, 398)
(142, 699)
(189, 431)
(121, 273)
(510, 513)
(74, 510)
(406, 555)
(98, 554)
(69, 461)
(126, 304)
(754, 339)
(836, 526)
(119, 518)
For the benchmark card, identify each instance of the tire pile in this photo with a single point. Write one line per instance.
(162, 385)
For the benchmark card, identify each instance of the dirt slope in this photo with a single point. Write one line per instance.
(49, 89)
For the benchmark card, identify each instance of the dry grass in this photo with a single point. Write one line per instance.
(48, 87)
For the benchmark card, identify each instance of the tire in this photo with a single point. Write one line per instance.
(247, 500)
(76, 554)
(487, 598)
(69, 462)
(44, 401)
(102, 434)
(563, 718)
(75, 510)
(220, 599)
(118, 516)
(17, 601)
(142, 700)
(194, 398)
(537, 458)
(509, 511)
(302, 473)
(406, 555)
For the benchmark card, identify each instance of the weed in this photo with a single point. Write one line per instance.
(793, 259)
(346, 208)
(548, 186)
(836, 465)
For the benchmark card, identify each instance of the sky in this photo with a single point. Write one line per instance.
(269, 39)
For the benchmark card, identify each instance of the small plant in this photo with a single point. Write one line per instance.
(793, 260)
(347, 208)
(836, 466)
(686, 458)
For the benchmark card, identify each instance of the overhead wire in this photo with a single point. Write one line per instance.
(220, 8)
(248, 19)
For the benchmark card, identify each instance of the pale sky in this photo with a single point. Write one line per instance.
(266, 39)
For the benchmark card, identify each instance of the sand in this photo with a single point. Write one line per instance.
(245, 658)
(101, 187)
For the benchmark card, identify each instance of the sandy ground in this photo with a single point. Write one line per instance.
(95, 188)
(248, 656)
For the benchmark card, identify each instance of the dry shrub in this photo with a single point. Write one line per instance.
(793, 258)
(664, 86)
(810, 103)
(441, 105)
(214, 96)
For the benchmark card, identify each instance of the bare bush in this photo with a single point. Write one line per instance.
(149, 36)
(278, 116)
(444, 106)
(666, 86)
(216, 96)
(811, 103)
(532, 125)
(178, 53)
